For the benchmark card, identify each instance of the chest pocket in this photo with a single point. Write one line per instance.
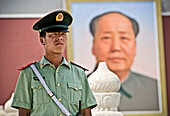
(74, 92)
(40, 95)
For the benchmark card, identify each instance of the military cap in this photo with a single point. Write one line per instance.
(57, 21)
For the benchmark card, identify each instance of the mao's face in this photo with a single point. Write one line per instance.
(114, 42)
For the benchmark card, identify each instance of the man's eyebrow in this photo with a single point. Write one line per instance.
(107, 32)
(50, 32)
(121, 32)
(124, 32)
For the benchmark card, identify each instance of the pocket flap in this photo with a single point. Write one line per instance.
(36, 85)
(75, 86)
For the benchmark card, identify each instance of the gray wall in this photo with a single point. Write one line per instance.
(30, 6)
(165, 5)
(44, 6)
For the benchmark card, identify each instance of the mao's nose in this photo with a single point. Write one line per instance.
(115, 44)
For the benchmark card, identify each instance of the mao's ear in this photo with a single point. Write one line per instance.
(135, 48)
(42, 40)
(93, 48)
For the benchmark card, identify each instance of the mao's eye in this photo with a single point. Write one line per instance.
(124, 37)
(104, 38)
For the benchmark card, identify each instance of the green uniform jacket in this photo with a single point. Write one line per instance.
(68, 82)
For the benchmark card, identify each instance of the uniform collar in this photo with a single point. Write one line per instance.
(44, 62)
(64, 62)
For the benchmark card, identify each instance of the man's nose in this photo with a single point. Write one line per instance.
(115, 44)
(60, 37)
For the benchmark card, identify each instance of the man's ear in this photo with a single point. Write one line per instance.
(135, 48)
(42, 40)
(93, 48)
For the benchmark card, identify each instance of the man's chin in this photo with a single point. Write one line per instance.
(116, 67)
(58, 52)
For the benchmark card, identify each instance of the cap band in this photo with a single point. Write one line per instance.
(55, 28)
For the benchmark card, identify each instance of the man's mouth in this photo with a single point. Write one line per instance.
(115, 59)
(59, 44)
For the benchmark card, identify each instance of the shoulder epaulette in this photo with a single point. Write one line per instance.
(79, 66)
(26, 65)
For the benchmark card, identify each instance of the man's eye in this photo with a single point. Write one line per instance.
(54, 35)
(104, 38)
(50, 35)
(63, 34)
(124, 37)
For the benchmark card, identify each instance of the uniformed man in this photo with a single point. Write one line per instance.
(67, 81)
(114, 42)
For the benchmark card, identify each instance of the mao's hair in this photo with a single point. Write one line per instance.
(94, 22)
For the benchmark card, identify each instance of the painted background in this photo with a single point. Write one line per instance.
(146, 61)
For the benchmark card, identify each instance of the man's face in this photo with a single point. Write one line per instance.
(114, 42)
(54, 42)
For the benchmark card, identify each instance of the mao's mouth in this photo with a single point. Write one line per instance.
(115, 59)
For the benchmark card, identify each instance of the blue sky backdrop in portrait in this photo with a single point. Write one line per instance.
(146, 62)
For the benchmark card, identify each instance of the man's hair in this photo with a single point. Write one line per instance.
(94, 22)
(42, 34)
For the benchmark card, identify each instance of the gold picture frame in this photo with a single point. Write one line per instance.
(159, 44)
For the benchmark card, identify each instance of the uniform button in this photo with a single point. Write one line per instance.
(59, 100)
(58, 84)
(39, 87)
(60, 114)
(76, 89)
